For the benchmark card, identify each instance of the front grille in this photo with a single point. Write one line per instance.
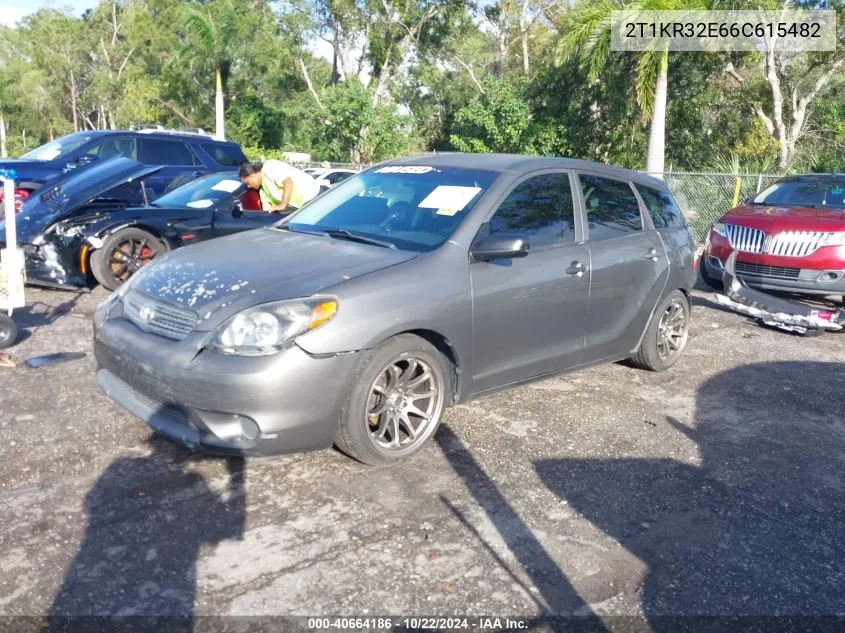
(746, 239)
(767, 271)
(157, 317)
(796, 243)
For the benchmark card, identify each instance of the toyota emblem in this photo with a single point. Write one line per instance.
(146, 314)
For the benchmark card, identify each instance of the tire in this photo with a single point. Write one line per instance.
(714, 282)
(374, 422)
(655, 352)
(122, 254)
(8, 331)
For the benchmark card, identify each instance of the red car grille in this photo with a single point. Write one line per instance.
(767, 271)
(786, 244)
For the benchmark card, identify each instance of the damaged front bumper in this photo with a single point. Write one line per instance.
(773, 311)
(252, 405)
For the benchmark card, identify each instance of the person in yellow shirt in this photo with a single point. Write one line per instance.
(282, 187)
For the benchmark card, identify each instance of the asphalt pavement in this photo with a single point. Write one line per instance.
(715, 488)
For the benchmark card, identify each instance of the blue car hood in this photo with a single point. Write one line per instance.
(65, 194)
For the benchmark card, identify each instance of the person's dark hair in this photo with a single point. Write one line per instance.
(248, 169)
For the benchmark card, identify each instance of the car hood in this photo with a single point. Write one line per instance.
(268, 264)
(63, 195)
(777, 219)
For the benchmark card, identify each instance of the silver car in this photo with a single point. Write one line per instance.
(421, 283)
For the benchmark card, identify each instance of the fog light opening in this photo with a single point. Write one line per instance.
(715, 262)
(829, 276)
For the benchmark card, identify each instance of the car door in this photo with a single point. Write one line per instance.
(628, 266)
(178, 161)
(529, 314)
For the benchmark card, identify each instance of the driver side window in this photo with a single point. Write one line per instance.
(541, 209)
(112, 147)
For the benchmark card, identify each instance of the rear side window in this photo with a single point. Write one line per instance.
(612, 208)
(337, 177)
(541, 209)
(153, 151)
(226, 155)
(663, 209)
(113, 147)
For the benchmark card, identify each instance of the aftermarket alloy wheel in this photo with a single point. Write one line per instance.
(667, 334)
(123, 254)
(8, 331)
(395, 402)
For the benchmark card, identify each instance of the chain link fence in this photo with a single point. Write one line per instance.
(705, 197)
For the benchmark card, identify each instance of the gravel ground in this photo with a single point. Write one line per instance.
(714, 488)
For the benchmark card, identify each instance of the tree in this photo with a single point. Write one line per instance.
(588, 34)
(498, 120)
(209, 43)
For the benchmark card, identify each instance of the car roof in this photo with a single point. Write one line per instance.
(156, 135)
(522, 163)
(812, 177)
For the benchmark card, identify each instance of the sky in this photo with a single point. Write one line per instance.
(13, 10)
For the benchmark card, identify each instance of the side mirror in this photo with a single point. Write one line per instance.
(500, 247)
(237, 209)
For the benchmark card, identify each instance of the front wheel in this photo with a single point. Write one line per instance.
(667, 334)
(123, 254)
(395, 402)
(8, 331)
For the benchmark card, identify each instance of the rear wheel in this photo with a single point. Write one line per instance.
(123, 254)
(707, 278)
(667, 334)
(8, 331)
(395, 402)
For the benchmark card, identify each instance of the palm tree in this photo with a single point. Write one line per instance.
(589, 34)
(210, 43)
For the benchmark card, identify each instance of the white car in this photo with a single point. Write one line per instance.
(328, 178)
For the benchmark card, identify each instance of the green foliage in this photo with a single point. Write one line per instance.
(499, 120)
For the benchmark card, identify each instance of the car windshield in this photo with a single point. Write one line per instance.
(805, 192)
(409, 207)
(203, 192)
(57, 149)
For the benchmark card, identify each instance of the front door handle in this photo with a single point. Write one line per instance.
(576, 268)
(652, 254)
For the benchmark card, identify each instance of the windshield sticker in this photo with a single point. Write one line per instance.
(229, 186)
(200, 204)
(449, 199)
(404, 169)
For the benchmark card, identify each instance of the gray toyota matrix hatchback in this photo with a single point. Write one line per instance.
(418, 284)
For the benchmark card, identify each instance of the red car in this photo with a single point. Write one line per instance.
(790, 238)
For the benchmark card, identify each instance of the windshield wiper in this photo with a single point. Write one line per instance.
(343, 234)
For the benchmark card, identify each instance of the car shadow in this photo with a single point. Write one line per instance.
(558, 595)
(753, 527)
(148, 517)
(39, 314)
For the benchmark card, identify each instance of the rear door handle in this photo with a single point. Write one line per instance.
(652, 254)
(576, 268)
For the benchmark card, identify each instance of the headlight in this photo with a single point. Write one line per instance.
(719, 228)
(264, 329)
(834, 239)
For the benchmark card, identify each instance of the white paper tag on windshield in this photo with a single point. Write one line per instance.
(49, 154)
(449, 199)
(200, 204)
(229, 186)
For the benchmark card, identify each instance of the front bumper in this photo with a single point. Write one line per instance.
(780, 278)
(260, 405)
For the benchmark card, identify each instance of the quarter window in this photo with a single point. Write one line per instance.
(663, 209)
(539, 208)
(612, 208)
(153, 151)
